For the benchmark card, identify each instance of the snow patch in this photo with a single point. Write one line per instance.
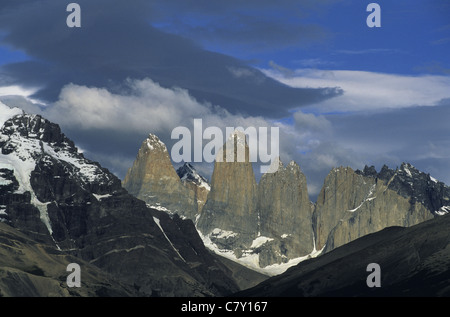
(249, 258)
(368, 198)
(159, 207)
(223, 234)
(162, 230)
(259, 241)
(4, 181)
(153, 141)
(442, 211)
(100, 197)
(276, 269)
(7, 113)
(406, 169)
(87, 171)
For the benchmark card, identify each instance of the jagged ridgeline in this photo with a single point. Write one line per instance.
(263, 224)
(273, 225)
(258, 225)
(56, 207)
(352, 204)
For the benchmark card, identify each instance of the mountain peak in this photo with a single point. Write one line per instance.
(153, 179)
(409, 169)
(188, 173)
(153, 142)
(36, 127)
(63, 201)
(6, 113)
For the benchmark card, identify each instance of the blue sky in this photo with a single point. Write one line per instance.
(342, 93)
(414, 37)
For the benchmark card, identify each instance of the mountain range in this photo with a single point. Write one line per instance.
(272, 225)
(167, 232)
(69, 207)
(413, 261)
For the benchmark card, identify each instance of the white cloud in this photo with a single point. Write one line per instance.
(368, 90)
(149, 107)
(380, 119)
(309, 122)
(317, 142)
(16, 90)
(146, 107)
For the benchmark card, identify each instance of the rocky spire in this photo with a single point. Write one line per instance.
(231, 204)
(153, 179)
(285, 211)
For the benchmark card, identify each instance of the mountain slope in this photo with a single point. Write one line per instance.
(352, 203)
(413, 261)
(51, 193)
(30, 269)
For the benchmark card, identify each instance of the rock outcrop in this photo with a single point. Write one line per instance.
(229, 216)
(285, 214)
(352, 204)
(413, 261)
(196, 183)
(274, 223)
(263, 224)
(153, 179)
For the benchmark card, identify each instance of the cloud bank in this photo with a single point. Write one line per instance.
(379, 119)
(117, 41)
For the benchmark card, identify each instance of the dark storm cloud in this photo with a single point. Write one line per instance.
(249, 25)
(116, 42)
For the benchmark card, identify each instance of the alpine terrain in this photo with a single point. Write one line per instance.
(167, 232)
(272, 225)
(58, 207)
(413, 262)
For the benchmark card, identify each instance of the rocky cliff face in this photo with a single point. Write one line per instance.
(72, 206)
(352, 204)
(196, 183)
(285, 214)
(273, 223)
(259, 224)
(153, 179)
(229, 216)
(413, 261)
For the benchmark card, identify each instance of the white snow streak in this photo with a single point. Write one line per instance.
(162, 230)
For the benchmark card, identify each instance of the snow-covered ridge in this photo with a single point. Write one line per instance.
(188, 173)
(22, 161)
(28, 140)
(7, 113)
